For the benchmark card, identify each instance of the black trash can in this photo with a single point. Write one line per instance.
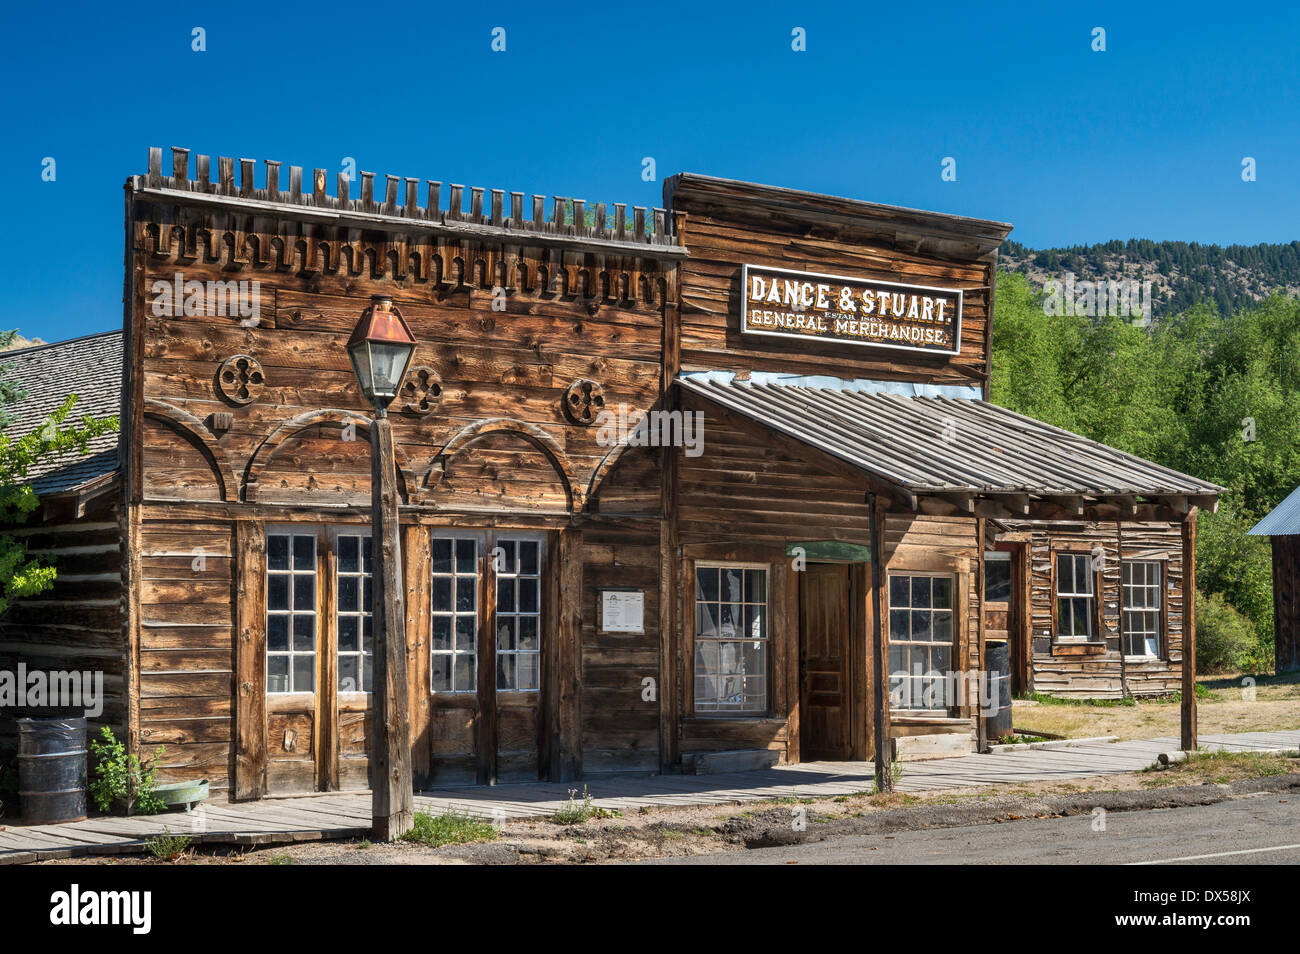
(997, 665)
(52, 770)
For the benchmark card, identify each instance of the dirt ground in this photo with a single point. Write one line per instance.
(1228, 708)
(672, 832)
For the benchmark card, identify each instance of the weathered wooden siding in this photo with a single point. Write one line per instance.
(722, 239)
(1072, 671)
(1286, 602)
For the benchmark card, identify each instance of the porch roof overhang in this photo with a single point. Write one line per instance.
(964, 451)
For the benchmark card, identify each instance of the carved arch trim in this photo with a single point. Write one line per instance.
(531, 433)
(186, 423)
(266, 450)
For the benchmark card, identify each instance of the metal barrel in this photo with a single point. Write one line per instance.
(997, 663)
(52, 770)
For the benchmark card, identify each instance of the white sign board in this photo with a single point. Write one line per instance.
(622, 611)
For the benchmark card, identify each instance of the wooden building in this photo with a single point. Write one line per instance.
(1282, 527)
(820, 490)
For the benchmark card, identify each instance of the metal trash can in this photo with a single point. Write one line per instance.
(997, 664)
(52, 770)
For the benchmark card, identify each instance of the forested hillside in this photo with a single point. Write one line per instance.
(1182, 274)
(1209, 391)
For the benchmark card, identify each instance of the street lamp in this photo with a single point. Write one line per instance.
(380, 348)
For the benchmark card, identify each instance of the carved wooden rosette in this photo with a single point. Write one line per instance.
(422, 391)
(583, 401)
(241, 379)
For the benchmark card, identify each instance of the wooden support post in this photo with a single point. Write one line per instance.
(249, 569)
(1189, 632)
(879, 659)
(393, 800)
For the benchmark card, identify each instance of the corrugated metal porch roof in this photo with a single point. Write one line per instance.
(937, 444)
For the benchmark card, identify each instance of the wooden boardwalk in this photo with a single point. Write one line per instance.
(347, 814)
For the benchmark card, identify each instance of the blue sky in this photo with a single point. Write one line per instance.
(1068, 144)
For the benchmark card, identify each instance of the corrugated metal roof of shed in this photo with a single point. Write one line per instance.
(1283, 520)
(942, 444)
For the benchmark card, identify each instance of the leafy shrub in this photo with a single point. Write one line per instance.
(1226, 641)
(168, 846)
(120, 777)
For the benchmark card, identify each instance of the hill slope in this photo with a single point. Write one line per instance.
(1181, 273)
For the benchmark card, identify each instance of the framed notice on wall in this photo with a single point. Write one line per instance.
(622, 611)
(833, 308)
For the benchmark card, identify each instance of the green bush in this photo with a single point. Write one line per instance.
(1226, 641)
(449, 828)
(123, 778)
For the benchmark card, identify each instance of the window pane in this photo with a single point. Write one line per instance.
(466, 556)
(921, 591)
(304, 634)
(465, 601)
(898, 624)
(349, 555)
(706, 584)
(505, 634)
(349, 634)
(277, 633)
(466, 673)
(731, 585)
(529, 557)
(942, 592)
(942, 623)
(442, 596)
(304, 592)
(509, 563)
(755, 586)
(304, 553)
(898, 591)
(441, 556)
(505, 596)
(528, 596)
(277, 593)
(528, 673)
(304, 676)
(528, 633)
(349, 674)
(277, 552)
(441, 633)
(277, 673)
(466, 633)
(505, 673)
(349, 594)
(442, 673)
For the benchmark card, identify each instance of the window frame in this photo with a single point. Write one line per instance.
(363, 532)
(1160, 587)
(540, 540)
(1093, 575)
(768, 641)
(479, 538)
(954, 645)
(312, 532)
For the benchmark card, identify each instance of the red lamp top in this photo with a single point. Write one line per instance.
(382, 322)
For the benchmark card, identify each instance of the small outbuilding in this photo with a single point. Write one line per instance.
(1282, 526)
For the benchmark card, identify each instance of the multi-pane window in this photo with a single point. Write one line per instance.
(455, 614)
(920, 641)
(355, 623)
(1143, 589)
(1075, 596)
(519, 615)
(731, 634)
(290, 612)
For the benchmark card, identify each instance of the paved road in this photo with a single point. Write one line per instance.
(1259, 830)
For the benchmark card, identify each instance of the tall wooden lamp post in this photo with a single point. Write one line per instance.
(380, 349)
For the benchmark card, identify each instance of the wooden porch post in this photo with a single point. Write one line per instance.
(1189, 632)
(393, 801)
(879, 669)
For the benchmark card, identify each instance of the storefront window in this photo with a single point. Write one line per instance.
(731, 636)
(920, 641)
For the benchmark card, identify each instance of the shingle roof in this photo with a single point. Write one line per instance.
(936, 444)
(91, 368)
(1283, 520)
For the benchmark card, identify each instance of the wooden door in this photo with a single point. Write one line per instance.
(485, 651)
(825, 661)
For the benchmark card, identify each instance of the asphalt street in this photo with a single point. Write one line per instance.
(1263, 829)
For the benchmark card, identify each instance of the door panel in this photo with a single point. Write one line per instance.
(825, 661)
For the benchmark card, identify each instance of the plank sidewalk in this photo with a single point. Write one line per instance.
(283, 820)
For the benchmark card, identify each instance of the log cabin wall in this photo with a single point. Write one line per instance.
(1100, 670)
(77, 625)
(249, 421)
